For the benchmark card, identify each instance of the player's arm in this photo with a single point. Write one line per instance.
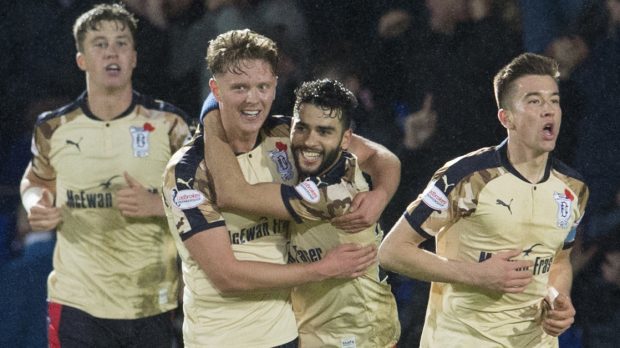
(400, 252)
(232, 190)
(381, 164)
(384, 169)
(561, 272)
(212, 251)
(38, 199)
(559, 314)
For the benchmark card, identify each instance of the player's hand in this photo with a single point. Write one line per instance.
(500, 273)
(348, 261)
(558, 319)
(135, 200)
(43, 216)
(420, 125)
(366, 208)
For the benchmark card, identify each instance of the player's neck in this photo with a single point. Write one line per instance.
(108, 104)
(529, 164)
(241, 142)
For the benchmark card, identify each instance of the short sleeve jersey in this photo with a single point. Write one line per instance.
(105, 264)
(338, 312)
(476, 206)
(249, 319)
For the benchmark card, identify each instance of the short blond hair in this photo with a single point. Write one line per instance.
(227, 51)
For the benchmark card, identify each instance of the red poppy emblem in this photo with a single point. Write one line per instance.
(281, 146)
(568, 195)
(148, 127)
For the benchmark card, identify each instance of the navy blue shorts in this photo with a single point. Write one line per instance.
(292, 344)
(70, 327)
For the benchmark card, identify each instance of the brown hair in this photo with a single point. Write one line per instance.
(92, 19)
(522, 65)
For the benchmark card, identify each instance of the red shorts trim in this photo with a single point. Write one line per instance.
(53, 313)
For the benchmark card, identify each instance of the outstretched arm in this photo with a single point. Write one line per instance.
(232, 190)
(400, 252)
(212, 250)
(384, 169)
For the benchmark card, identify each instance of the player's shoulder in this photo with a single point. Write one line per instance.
(571, 178)
(55, 114)
(476, 161)
(151, 103)
(566, 170)
(277, 126)
(187, 159)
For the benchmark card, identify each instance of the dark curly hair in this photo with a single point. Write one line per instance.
(327, 94)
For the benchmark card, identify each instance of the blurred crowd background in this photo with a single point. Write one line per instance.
(422, 71)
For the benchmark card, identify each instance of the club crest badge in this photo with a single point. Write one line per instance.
(565, 203)
(280, 157)
(140, 139)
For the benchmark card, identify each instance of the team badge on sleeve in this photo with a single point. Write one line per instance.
(434, 197)
(565, 203)
(280, 157)
(187, 199)
(140, 139)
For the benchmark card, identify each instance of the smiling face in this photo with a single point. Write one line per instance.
(245, 97)
(533, 116)
(108, 56)
(317, 138)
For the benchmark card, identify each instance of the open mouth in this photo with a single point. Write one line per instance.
(113, 68)
(548, 130)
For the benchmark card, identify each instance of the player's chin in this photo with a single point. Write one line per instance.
(308, 170)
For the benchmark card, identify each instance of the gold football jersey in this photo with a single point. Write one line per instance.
(478, 205)
(337, 312)
(249, 319)
(105, 264)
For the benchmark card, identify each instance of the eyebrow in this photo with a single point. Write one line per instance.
(539, 94)
(239, 84)
(103, 37)
(326, 128)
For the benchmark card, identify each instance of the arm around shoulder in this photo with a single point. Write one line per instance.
(384, 169)
(381, 164)
(232, 190)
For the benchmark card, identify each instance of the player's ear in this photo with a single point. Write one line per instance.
(346, 139)
(505, 117)
(80, 60)
(214, 88)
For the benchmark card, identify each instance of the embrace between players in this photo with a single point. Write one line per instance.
(276, 225)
